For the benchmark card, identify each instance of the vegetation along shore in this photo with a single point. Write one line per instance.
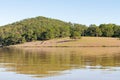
(42, 31)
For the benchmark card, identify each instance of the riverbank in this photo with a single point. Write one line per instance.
(67, 42)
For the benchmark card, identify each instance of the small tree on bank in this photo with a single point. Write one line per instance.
(75, 35)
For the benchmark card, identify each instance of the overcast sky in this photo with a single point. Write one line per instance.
(76, 11)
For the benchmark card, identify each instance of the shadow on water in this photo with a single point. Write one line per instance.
(44, 62)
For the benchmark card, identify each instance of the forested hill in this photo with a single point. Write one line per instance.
(42, 28)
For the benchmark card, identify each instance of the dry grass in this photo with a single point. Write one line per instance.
(67, 42)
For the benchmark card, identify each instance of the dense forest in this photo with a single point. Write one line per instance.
(42, 28)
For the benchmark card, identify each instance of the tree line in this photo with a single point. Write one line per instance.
(42, 28)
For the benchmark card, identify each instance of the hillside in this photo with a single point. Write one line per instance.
(32, 29)
(42, 28)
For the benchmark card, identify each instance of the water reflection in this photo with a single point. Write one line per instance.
(44, 62)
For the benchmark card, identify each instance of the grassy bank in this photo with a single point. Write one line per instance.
(67, 42)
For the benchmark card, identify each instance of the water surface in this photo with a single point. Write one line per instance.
(60, 64)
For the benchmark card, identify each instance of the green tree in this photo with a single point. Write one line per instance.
(93, 30)
(107, 30)
(116, 29)
(76, 31)
(48, 34)
(64, 31)
(75, 35)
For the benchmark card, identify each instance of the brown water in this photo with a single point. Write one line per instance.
(60, 64)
